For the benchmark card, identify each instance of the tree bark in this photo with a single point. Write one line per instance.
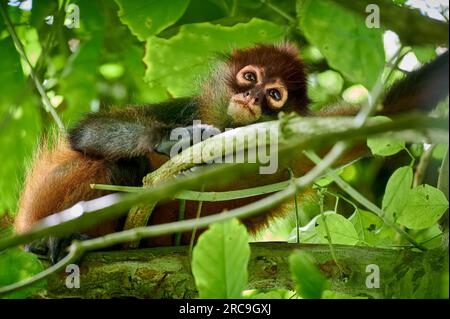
(164, 272)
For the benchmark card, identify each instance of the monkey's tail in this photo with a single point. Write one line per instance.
(420, 90)
(58, 179)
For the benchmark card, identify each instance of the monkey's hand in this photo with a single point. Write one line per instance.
(53, 247)
(179, 139)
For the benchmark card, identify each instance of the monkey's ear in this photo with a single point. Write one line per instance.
(290, 48)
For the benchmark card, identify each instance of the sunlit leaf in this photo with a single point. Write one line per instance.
(17, 265)
(310, 281)
(371, 229)
(177, 63)
(425, 205)
(343, 38)
(397, 190)
(219, 261)
(341, 229)
(384, 146)
(146, 18)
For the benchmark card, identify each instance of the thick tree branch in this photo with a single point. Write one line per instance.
(164, 272)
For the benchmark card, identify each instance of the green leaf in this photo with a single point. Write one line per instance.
(341, 229)
(177, 63)
(384, 146)
(425, 205)
(79, 79)
(372, 230)
(11, 75)
(17, 265)
(396, 193)
(424, 53)
(430, 237)
(331, 81)
(20, 130)
(343, 38)
(310, 281)
(219, 261)
(147, 18)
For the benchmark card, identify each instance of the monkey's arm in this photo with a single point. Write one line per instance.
(137, 131)
(126, 133)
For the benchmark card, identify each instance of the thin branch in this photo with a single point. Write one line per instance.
(161, 191)
(113, 206)
(45, 100)
(327, 231)
(423, 165)
(280, 11)
(364, 201)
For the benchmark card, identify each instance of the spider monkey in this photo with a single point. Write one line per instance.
(122, 145)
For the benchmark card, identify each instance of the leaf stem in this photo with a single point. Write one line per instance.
(280, 11)
(327, 230)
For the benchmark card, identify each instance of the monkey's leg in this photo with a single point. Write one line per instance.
(71, 188)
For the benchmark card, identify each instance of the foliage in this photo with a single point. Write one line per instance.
(133, 52)
(219, 261)
(16, 265)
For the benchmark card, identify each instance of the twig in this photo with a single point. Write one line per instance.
(422, 166)
(45, 100)
(279, 11)
(327, 231)
(364, 201)
(297, 220)
(181, 216)
(194, 231)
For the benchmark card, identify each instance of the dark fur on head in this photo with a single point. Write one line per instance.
(279, 61)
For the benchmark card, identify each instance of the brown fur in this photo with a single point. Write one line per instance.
(59, 178)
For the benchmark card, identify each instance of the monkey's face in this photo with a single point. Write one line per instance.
(264, 80)
(256, 92)
(254, 85)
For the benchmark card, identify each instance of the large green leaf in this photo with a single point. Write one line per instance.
(146, 18)
(310, 281)
(20, 127)
(78, 82)
(343, 38)
(425, 205)
(384, 146)
(177, 63)
(17, 265)
(396, 193)
(341, 229)
(371, 229)
(11, 75)
(219, 261)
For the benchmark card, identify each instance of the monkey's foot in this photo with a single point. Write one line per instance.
(53, 247)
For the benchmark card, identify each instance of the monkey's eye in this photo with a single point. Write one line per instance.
(250, 76)
(275, 94)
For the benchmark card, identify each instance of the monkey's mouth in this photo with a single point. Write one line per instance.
(243, 112)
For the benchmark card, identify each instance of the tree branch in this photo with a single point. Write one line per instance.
(164, 272)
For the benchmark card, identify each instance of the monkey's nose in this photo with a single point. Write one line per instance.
(249, 97)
